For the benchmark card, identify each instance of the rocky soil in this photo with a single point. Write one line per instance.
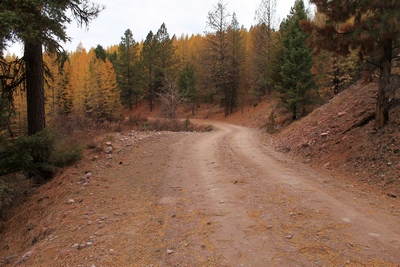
(340, 137)
(322, 192)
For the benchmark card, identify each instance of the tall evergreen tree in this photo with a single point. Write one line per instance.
(371, 26)
(296, 75)
(166, 51)
(40, 23)
(149, 62)
(126, 69)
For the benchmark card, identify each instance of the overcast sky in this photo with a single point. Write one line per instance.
(141, 16)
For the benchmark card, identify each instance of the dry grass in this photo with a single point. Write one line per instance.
(162, 124)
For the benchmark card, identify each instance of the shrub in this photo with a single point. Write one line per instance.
(38, 156)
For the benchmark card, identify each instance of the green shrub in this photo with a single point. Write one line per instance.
(39, 156)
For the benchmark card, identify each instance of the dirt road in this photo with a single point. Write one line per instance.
(222, 198)
(255, 207)
(263, 209)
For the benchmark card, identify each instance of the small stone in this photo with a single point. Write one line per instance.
(71, 201)
(89, 222)
(27, 255)
(342, 113)
(89, 243)
(108, 150)
(81, 246)
(269, 227)
(170, 251)
(88, 174)
(108, 144)
(76, 245)
(289, 236)
(103, 218)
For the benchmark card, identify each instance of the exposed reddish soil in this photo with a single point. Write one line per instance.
(311, 195)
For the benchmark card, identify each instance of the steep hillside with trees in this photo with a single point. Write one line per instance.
(371, 26)
(231, 68)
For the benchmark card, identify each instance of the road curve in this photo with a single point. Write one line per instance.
(231, 200)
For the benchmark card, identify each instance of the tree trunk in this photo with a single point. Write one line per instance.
(382, 103)
(33, 56)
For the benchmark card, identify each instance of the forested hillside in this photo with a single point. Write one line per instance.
(92, 172)
(301, 62)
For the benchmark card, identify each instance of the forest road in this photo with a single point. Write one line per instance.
(227, 198)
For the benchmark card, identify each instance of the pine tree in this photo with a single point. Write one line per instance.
(371, 26)
(166, 51)
(296, 75)
(40, 23)
(126, 68)
(149, 62)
